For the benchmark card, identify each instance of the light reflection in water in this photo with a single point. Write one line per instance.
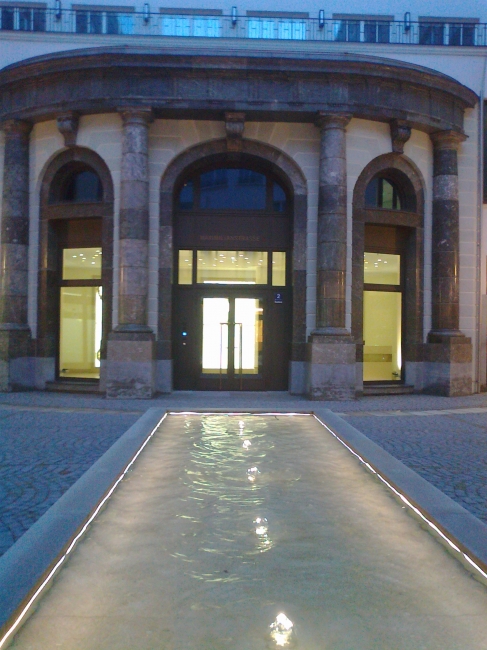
(246, 444)
(282, 631)
(252, 474)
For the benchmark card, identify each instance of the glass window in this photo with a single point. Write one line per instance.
(431, 33)
(83, 186)
(248, 335)
(189, 26)
(382, 193)
(186, 196)
(347, 30)
(292, 30)
(278, 269)
(80, 332)
(382, 336)
(376, 31)
(279, 202)
(231, 267)
(382, 268)
(461, 34)
(185, 267)
(8, 16)
(232, 189)
(82, 263)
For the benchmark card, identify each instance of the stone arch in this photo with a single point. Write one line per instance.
(52, 213)
(404, 172)
(290, 174)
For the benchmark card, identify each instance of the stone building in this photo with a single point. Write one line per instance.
(226, 198)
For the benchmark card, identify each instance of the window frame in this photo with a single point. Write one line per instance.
(25, 16)
(362, 28)
(99, 19)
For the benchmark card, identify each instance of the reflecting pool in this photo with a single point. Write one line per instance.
(214, 544)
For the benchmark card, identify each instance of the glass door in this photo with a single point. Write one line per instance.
(232, 339)
(382, 325)
(80, 314)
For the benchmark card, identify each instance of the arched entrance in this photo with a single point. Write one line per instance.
(234, 263)
(75, 264)
(387, 310)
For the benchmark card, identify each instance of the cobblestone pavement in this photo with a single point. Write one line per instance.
(47, 440)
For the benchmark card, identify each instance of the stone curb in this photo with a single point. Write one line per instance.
(29, 560)
(459, 525)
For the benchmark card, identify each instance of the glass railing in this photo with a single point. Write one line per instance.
(129, 23)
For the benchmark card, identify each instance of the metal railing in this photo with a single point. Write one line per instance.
(34, 19)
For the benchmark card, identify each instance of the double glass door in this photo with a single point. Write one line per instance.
(231, 339)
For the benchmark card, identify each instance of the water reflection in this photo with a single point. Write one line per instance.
(282, 631)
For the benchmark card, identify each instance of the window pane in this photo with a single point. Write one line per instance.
(215, 335)
(468, 34)
(383, 32)
(455, 35)
(370, 31)
(278, 198)
(24, 19)
(83, 186)
(339, 29)
(82, 263)
(81, 22)
(186, 196)
(382, 268)
(278, 269)
(112, 23)
(371, 193)
(387, 200)
(96, 22)
(185, 267)
(232, 189)
(80, 332)
(248, 336)
(382, 336)
(354, 31)
(39, 20)
(232, 267)
(7, 14)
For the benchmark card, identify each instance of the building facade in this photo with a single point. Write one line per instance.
(222, 198)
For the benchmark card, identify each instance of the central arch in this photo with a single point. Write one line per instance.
(289, 175)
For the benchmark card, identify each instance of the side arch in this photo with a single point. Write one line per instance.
(50, 215)
(291, 176)
(411, 221)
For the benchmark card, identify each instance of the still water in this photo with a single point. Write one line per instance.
(256, 532)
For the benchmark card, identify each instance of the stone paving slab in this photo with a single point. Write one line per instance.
(42, 453)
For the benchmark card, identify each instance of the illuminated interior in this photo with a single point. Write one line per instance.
(80, 335)
(247, 335)
(80, 314)
(382, 318)
(382, 336)
(231, 267)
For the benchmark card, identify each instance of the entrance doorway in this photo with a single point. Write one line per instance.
(232, 323)
(232, 309)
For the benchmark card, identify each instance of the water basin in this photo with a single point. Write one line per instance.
(210, 543)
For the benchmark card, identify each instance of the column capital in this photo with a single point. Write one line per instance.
(326, 120)
(16, 127)
(136, 115)
(447, 140)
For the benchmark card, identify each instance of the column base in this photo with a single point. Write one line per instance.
(448, 365)
(16, 363)
(331, 372)
(130, 365)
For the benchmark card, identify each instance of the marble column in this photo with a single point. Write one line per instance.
(331, 351)
(15, 339)
(448, 358)
(130, 371)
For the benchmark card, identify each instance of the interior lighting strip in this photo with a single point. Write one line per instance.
(403, 498)
(76, 539)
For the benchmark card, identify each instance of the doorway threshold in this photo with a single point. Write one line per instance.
(387, 389)
(87, 386)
